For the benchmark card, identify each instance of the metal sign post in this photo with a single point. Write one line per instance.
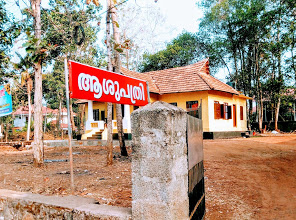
(69, 125)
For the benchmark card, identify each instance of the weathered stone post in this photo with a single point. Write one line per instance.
(159, 165)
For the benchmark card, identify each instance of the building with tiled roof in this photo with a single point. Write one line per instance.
(21, 116)
(192, 88)
(191, 78)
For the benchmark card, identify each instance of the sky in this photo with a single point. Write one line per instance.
(178, 16)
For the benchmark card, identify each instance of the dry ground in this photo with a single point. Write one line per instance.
(252, 178)
(107, 184)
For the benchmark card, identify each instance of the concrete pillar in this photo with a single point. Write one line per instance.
(90, 115)
(159, 163)
(127, 118)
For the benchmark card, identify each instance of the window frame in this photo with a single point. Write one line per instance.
(241, 112)
(217, 110)
(96, 114)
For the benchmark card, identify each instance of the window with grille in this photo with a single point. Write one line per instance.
(222, 111)
(96, 114)
(122, 110)
(102, 115)
(227, 111)
(192, 108)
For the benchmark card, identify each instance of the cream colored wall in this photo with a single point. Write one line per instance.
(102, 106)
(182, 98)
(208, 97)
(222, 124)
(98, 105)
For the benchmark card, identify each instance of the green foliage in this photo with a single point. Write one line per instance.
(8, 32)
(256, 39)
(25, 128)
(59, 24)
(183, 50)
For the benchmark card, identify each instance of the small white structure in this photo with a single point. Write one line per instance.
(96, 114)
(21, 117)
(1, 135)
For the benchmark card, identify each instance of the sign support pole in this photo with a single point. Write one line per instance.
(69, 125)
(148, 93)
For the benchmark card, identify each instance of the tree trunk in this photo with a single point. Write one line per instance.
(59, 116)
(277, 110)
(260, 115)
(72, 116)
(6, 133)
(29, 86)
(1, 132)
(109, 134)
(109, 105)
(121, 140)
(62, 121)
(126, 52)
(38, 150)
(294, 109)
(81, 110)
(116, 36)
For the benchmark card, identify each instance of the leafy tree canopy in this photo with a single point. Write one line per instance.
(9, 30)
(64, 26)
(181, 51)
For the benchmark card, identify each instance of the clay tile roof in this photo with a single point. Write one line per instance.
(142, 76)
(194, 77)
(24, 110)
(216, 84)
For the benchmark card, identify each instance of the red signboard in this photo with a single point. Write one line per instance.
(95, 84)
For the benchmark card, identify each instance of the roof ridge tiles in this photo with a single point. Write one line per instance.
(211, 87)
(193, 77)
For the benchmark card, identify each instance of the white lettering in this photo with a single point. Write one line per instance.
(92, 84)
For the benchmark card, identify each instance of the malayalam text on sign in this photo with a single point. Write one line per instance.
(95, 84)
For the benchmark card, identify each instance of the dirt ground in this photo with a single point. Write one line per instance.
(92, 178)
(245, 178)
(251, 178)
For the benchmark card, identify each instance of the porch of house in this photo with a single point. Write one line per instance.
(97, 129)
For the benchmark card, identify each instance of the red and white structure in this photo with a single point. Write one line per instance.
(93, 84)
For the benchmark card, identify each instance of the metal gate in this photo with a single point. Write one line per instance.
(196, 188)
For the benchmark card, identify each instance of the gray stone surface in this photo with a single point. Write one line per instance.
(103, 212)
(159, 165)
(65, 143)
(27, 206)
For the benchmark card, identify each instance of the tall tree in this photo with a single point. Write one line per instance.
(9, 30)
(117, 65)
(69, 33)
(183, 50)
(38, 149)
(250, 34)
(109, 104)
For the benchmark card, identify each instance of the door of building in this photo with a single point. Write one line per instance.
(234, 116)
